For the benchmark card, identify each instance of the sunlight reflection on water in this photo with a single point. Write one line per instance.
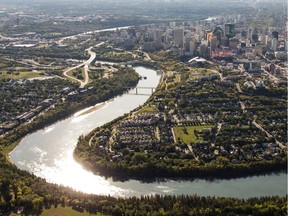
(48, 154)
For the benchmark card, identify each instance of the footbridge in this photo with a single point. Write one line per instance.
(141, 90)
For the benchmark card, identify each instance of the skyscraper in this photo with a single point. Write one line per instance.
(274, 44)
(275, 34)
(243, 35)
(179, 37)
(254, 38)
(190, 44)
(213, 44)
(229, 30)
(158, 38)
(218, 32)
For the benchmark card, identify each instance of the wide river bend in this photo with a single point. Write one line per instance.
(48, 153)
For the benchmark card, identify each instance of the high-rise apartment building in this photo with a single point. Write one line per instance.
(179, 37)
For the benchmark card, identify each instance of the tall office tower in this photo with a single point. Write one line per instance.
(218, 32)
(158, 38)
(275, 34)
(264, 39)
(274, 44)
(229, 30)
(197, 38)
(164, 38)
(188, 39)
(190, 44)
(203, 50)
(200, 32)
(254, 38)
(150, 33)
(243, 35)
(213, 44)
(179, 37)
(209, 35)
(250, 32)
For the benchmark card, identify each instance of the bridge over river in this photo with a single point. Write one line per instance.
(141, 90)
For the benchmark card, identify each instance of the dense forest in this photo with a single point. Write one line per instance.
(25, 193)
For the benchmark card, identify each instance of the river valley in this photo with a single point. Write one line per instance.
(48, 154)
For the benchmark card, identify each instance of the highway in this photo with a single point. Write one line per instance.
(86, 67)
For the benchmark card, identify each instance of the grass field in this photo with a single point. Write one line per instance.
(187, 135)
(147, 109)
(66, 211)
(177, 78)
(22, 75)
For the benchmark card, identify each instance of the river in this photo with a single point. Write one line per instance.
(48, 154)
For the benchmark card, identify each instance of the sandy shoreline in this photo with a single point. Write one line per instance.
(94, 108)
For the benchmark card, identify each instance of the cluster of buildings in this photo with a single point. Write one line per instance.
(16, 17)
(26, 99)
(217, 38)
(193, 117)
(141, 129)
(239, 147)
(235, 152)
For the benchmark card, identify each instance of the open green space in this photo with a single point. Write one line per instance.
(19, 75)
(77, 73)
(205, 71)
(186, 134)
(64, 211)
(61, 211)
(177, 78)
(147, 109)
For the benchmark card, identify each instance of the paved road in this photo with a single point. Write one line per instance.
(243, 107)
(192, 152)
(239, 88)
(86, 67)
(271, 77)
(268, 134)
(147, 56)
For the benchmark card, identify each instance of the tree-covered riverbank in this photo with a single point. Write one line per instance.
(195, 125)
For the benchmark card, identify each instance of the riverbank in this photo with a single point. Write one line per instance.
(92, 109)
(63, 110)
(48, 154)
(154, 172)
(137, 150)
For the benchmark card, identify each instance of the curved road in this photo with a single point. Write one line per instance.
(86, 67)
